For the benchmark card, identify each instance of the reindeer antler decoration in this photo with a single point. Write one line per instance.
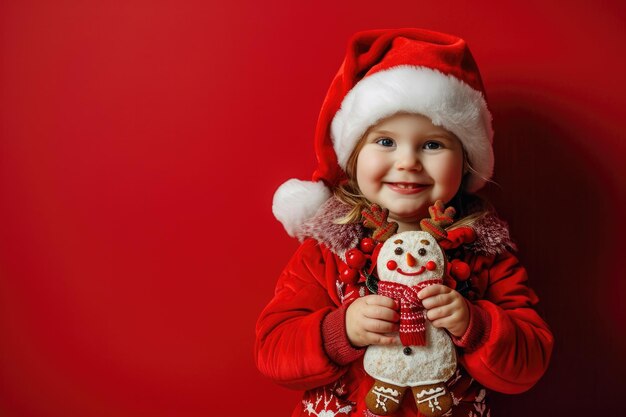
(376, 218)
(439, 220)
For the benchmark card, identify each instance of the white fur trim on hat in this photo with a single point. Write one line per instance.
(296, 201)
(446, 100)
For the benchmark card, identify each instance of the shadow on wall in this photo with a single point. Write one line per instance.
(557, 198)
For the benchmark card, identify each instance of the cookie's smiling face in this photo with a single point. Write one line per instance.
(409, 258)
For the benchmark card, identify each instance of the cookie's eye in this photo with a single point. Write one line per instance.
(422, 252)
(398, 251)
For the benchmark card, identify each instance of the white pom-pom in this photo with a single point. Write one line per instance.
(297, 201)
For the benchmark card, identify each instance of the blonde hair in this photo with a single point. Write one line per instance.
(349, 192)
(469, 207)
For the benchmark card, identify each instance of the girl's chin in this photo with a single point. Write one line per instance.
(409, 216)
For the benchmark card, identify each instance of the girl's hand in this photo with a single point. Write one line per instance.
(371, 319)
(445, 308)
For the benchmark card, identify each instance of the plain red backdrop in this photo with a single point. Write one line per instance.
(142, 141)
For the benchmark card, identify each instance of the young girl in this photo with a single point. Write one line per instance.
(405, 123)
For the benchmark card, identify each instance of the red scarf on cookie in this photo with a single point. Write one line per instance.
(412, 318)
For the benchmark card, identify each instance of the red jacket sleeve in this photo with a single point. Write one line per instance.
(515, 350)
(289, 343)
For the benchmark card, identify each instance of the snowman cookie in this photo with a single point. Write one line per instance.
(426, 359)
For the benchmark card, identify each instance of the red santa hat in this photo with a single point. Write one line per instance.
(386, 72)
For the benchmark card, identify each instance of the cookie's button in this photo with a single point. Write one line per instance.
(407, 351)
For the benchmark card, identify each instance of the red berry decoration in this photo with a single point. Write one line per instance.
(355, 258)
(367, 245)
(392, 265)
(460, 270)
(349, 276)
(431, 266)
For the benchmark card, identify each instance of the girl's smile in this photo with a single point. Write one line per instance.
(406, 188)
(406, 163)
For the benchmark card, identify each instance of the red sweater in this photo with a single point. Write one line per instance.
(302, 343)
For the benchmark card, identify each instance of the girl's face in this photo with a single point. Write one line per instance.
(406, 163)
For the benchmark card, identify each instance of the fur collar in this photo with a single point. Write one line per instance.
(492, 233)
(492, 236)
(322, 227)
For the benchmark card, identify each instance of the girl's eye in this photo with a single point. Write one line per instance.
(431, 145)
(387, 142)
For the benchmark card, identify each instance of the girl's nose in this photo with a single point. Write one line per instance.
(410, 260)
(408, 161)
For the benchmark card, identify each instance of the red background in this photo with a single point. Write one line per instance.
(142, 141)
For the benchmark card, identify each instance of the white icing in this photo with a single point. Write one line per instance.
(385, 394)
(431, 391)
(432, 396)
(384, 390)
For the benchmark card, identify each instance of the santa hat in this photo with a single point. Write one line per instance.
(386, 72)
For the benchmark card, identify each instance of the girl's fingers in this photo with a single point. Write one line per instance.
(379, 326)
(432, 290)
(440, 324)
(439, 313)
(436, 300)
(379, 339)
(381, 313)
(380, 300)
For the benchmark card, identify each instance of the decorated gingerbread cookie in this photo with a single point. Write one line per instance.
(407, 263)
